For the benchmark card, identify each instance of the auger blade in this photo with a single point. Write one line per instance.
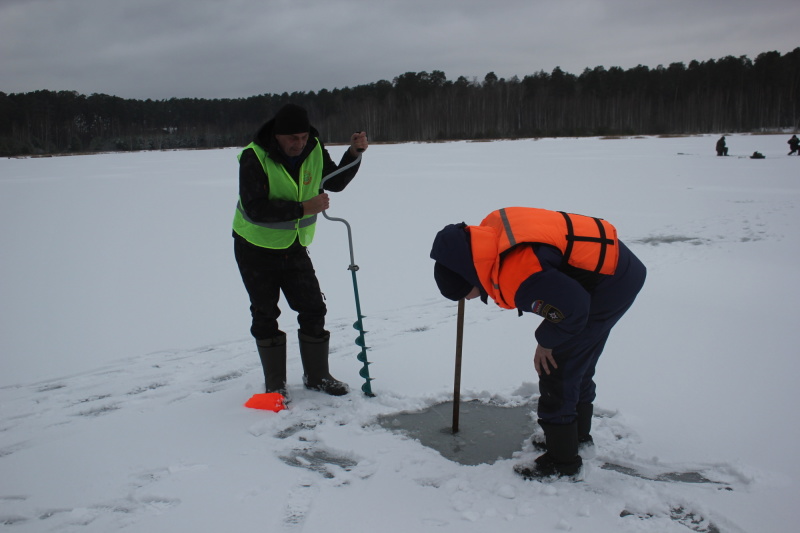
(367, 389)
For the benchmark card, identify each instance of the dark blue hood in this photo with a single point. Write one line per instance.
(454, 270)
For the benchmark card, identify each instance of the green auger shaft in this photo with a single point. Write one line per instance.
(360, 340)
(358, 324)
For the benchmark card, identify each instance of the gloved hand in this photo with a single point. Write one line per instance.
(358, 142)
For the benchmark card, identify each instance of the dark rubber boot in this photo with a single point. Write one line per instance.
(272, 352)
(314, 354)
(561, 458)
(584, 420)
(585, 413)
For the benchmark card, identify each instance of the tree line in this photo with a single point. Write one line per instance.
(731, 94)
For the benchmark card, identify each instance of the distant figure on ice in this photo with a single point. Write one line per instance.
(757, 155)
(721, 148)
(279, 198)
(794, 145)
(572, 271)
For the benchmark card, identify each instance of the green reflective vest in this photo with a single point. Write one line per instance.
(279, 235)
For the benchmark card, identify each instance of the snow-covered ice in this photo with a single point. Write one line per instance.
(126, 357)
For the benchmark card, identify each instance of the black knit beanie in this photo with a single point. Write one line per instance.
(291, 119)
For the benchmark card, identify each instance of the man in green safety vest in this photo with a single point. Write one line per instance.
(279, 199)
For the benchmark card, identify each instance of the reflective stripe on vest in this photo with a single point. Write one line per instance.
(289, 224)
(280, 235)
(587, 243)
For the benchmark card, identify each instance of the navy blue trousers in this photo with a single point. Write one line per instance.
(573, 381)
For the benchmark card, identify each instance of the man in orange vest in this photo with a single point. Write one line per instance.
(573, 271)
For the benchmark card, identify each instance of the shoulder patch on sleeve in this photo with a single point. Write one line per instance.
(550, 313)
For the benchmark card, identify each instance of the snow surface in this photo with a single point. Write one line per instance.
(126, 356)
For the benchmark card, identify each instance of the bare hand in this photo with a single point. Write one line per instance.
(543, 360)
(358, 142)
(317, 204)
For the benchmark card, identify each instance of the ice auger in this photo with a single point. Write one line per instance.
(353, 268)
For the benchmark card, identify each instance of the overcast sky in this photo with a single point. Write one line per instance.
(161, 49)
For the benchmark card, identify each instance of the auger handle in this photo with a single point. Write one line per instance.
(338, 171)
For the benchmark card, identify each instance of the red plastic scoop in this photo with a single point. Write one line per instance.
(269, 401)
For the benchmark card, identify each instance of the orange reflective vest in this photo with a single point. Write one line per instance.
(587, 243)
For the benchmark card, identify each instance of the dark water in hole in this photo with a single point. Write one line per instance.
(486, 432)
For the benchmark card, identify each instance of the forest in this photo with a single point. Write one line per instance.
(726, 95)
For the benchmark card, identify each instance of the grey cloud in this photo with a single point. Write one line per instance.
(237, 48)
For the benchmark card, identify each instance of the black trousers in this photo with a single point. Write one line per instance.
(266, 273)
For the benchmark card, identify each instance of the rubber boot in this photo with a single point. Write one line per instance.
(272, 352)
(314, 354)
(561, 459)
(585, 441)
